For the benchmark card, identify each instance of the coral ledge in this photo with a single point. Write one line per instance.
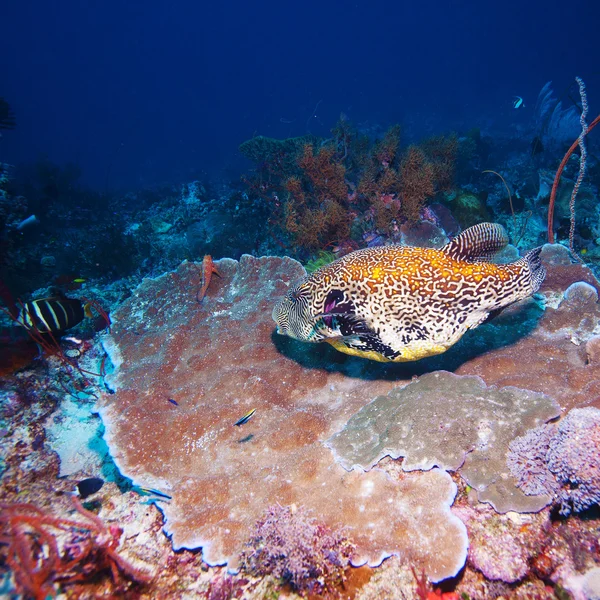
(218, 360)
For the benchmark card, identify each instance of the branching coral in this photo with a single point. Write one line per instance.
(417, 177)
(316, 211)
(379, 184)
(441, 152)
(325, 173)
(396, 186)
(319, 190)
(290, 545)
(39, 560)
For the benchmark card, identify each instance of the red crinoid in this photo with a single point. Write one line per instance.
(39, 560)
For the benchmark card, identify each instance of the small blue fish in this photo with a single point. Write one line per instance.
(173, 402)
(518, 102)
(245, 418)
(152, 492)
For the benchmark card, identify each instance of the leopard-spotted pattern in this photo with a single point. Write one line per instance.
(401, 303)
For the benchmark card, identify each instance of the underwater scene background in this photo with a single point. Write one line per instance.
(299, 300)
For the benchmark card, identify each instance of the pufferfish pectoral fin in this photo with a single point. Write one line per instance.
(348, 324)
(491, 315)
(478, 243)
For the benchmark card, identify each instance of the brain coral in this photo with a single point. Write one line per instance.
(451, 422)
(218, 360)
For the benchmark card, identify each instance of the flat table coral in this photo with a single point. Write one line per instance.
(451, 422)
(544, 351)
(218, 361)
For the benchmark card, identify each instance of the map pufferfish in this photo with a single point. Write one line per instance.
(403, 303)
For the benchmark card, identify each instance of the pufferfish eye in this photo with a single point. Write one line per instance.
(297, 294)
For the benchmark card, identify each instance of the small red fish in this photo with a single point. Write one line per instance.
(208, 268)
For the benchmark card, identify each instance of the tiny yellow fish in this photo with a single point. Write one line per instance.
(402, 303)
(245, 418)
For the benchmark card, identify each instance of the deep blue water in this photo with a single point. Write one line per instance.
(139, 93)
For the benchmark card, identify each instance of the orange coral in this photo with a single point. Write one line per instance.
(441, 152)
(385, 150)
(380, 181)
(417, 177)
(423, 171)
(316, 212)
(326, 174)
(331, 184)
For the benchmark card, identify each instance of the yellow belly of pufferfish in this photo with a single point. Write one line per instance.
(409, 353)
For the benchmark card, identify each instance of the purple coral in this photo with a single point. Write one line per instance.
(290, 545)
(561, 460)
(574, 458)
(527, 461)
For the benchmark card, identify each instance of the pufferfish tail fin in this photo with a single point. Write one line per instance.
(477, 243)
(533, 271)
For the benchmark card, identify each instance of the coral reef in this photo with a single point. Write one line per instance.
(219, 360)
(39, 560)
(323, 193)
(268, 497)
(574, 457)
(455, 423)
(172, 333)
(290, 545)
(503, 546)
(527, 460)
(546, 352)
(417, 177)
(561, 460)
(316, 211)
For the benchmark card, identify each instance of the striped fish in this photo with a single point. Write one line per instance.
(401, 303)
(52, 315)
(245, 418)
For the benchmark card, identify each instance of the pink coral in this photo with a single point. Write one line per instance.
(574, 457)
(561, 460)
(292, 546)
(527, 461)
